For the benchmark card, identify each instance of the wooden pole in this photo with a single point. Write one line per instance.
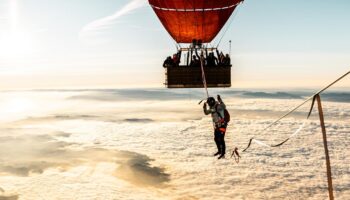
(328, 163)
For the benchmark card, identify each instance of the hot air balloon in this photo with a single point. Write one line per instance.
(195, 23)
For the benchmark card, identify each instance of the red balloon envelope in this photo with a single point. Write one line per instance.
(186, 20)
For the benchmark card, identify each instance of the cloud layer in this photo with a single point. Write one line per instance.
(118, 145)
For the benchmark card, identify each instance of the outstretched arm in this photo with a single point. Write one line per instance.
(221, 102)
(219, 99)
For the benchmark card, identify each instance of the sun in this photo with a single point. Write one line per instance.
(16, 42)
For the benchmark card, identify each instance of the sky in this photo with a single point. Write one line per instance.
(121, 43)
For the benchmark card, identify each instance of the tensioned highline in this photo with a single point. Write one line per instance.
(315, 97)
(296, 108)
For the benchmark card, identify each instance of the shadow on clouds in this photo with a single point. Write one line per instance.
(28, 155)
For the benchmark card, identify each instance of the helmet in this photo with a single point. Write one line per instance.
(211, 101)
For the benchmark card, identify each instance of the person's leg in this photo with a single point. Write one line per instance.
(222, 143)
(217, 141)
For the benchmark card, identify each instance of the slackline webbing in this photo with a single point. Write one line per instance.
(313, 97)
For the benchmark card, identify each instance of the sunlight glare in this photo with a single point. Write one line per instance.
(18, 44)
(16, 108)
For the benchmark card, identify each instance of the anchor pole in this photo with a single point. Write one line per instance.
(328, 163)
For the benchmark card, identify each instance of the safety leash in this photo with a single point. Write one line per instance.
(236, 155)
(286, 140)
(258, 142)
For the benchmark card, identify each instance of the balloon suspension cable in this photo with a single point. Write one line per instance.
(231, 20)
(230, 48)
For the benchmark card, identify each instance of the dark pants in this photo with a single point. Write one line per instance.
(219, 138)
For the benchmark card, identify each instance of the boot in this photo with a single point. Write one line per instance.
(217, 153)
(221, 156)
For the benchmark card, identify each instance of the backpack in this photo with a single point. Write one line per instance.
(227, 116)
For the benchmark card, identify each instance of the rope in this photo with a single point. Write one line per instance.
(313, 97)
(231, 20)
(236, 155)
(308, 99)
(203, 74)
(276, 145)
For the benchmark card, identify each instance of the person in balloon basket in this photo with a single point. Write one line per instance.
(217, 109)
(168, 62)
(227, 60)
(195, 62)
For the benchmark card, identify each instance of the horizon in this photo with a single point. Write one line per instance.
(251, 89)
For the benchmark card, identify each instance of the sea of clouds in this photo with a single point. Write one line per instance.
(157, 144)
